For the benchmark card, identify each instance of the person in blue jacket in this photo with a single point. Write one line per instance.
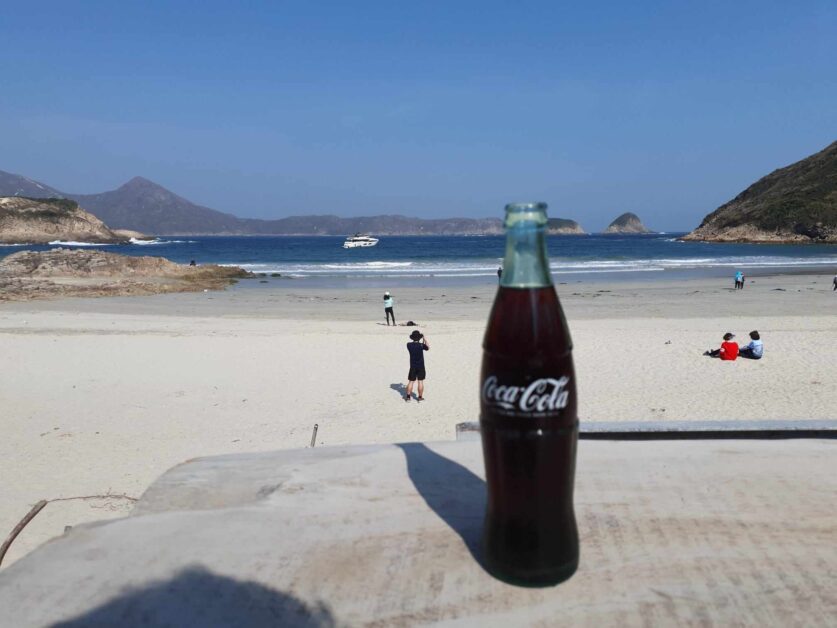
(754, 350)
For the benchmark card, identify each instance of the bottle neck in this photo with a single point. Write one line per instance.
(526, 264)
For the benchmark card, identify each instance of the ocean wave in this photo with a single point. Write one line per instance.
(367, 265)
(13, 245)
(159, 241)
(479, 268)
(73, 243)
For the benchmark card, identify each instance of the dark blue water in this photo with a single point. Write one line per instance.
(426, 259)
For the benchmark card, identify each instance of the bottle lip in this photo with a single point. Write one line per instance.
(525, 207)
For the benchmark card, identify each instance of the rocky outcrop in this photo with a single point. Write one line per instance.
(66, 272)
(40, 221)
(563, 226)
(797, 203)
(799, 234)
(627, 223)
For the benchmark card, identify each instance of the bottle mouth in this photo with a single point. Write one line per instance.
(525, 207)
(525, 215)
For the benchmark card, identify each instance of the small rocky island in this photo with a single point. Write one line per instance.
(89, 273)
(627, 223)
(797, 203)
(44, 220)
(563, 226)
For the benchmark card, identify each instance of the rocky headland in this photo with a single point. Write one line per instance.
(627, 223)
(71, 272)
(794, 204)
(41, 221)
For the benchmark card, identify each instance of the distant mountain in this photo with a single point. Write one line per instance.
(145, 206)
(16, 185)
(562, 226)
(40, 221)
(797, 203)
(627, 223)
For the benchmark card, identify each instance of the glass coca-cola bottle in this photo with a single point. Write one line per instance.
(528, 415)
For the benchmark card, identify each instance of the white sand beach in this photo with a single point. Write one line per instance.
(100, 396)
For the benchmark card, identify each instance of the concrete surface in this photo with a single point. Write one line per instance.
(725, 532)
(672, 430)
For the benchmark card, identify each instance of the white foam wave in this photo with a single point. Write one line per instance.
(159, 241)
(73, 243)
(368, 265)
(488, 267)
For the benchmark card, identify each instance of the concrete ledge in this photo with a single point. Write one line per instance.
(687, 430)
(732, 532)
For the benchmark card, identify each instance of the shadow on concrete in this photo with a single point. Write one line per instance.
(401, 389)
(197, 597)
(452, 491)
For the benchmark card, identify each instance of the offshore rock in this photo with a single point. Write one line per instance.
(627, 223)
(563, 226)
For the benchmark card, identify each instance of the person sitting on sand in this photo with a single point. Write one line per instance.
(754, 350)
(388, 307)
(416, 348)
(728, 350)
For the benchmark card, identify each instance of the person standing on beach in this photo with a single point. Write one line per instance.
(739, 280)
(416, 348)
(834, 284)
(499, 273)
(388, 307)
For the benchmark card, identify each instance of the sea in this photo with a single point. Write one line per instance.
(321, 261)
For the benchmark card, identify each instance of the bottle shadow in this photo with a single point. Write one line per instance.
(452, 491)
(197, 597)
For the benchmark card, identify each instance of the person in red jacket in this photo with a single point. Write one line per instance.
(728, 350)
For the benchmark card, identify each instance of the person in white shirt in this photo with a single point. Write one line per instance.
(388, 307)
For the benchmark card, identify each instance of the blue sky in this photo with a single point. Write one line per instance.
(666, 109)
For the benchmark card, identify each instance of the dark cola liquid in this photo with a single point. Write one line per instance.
(529, 429)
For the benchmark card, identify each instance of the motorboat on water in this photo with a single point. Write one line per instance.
(358, 240)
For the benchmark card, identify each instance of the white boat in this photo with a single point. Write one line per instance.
(358, 240)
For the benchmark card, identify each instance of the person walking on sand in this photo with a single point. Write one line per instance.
(499, 273)
(739, 280)
(754, 350)
(388, 307)
(728, 350)
(834, 283)
(416, 348)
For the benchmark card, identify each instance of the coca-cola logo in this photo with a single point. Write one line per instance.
(542, 395)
